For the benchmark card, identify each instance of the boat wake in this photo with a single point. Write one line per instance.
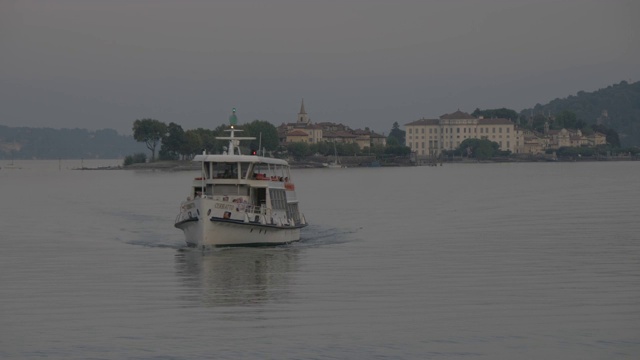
(159, 242)
(318, 235)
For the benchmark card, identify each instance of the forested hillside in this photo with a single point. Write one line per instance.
(620, 101)
(47, 143)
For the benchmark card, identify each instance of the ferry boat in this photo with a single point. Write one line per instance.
(240, 200)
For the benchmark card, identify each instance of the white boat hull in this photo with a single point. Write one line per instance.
(207, 233)
(214, 230)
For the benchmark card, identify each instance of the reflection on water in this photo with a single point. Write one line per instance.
(236, 276)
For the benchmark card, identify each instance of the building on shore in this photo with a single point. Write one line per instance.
(430, 137)
(304, 130)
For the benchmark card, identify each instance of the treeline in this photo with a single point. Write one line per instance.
(172, 142)
(565, 119)
(300, 150)
(562, 118)
(48, 143)
(176, 143)
(621, 102)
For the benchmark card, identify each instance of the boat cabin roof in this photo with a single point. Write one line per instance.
(239, 158)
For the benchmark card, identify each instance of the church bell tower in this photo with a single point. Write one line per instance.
(302, 115)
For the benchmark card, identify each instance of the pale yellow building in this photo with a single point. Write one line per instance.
(297, 135)
(556, 139)
(432, 136)
(303, 130)
(293, 132)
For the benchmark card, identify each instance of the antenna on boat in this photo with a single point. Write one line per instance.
(233, 140)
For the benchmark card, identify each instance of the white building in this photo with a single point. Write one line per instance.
(432, 136)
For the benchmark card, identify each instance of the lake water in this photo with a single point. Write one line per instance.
(473, 261)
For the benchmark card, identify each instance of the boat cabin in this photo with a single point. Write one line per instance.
(254, 183)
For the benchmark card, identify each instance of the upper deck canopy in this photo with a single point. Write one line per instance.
(239, 158)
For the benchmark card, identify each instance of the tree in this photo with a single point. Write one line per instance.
(192, 144)
(134, 159)
(377, 149)
(502, 113)
(566, 119)
(347, 149)
(479, 148)
(613, 138)
(399, 150)
(323, 148)
(619, 100)
(298, 150)
(173, 142)
(150, 132)
(396, 134)
(538, 121)
(265, 133)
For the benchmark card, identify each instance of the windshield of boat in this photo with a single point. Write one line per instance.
(264, 171)
(222, 170)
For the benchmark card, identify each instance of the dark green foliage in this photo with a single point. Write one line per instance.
(151, 132)
(265, 133)
(582, 151)
(622, 102)
(612, 136)
(323, 148)
(399, 150)
(502, 113)
(167, 155)
(537, 123)
(193, 143)
(208, 139)
(396, 136)
(376, 150)
(348, 149)
(298, 150)
(135, 159)
(565, 119)
(326, 148)
(479, 148)
(173, 142)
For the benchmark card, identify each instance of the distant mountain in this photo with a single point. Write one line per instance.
(47, 143)
(616, 106)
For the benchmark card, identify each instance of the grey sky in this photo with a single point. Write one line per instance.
(102, 64)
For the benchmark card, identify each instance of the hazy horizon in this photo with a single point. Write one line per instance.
(104, 64)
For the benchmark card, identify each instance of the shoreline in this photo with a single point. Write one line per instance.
(187, 165)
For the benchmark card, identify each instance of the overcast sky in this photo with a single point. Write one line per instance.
(365, 63)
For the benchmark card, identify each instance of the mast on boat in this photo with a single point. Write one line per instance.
(234, 141)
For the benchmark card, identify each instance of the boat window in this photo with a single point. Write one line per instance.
(293, 212)
(278, 172)
(244, 170)
(224, 170)
(262, 171)
(278, 199)
(260, 196)
(259, 171)
(230, 190)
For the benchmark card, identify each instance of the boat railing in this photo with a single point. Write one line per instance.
(254, 209)
(244, 207)
(249, 209)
